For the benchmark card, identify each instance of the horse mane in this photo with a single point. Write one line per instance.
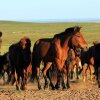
(67, 33)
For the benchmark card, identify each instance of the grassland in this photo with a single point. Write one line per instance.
(13, 31)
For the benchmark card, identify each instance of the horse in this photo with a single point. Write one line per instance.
(4, 65)
(42, 51)
(87, 61)
(92, 57)
(96, 55)
(74, 63)
(20, 59)
(55, 50)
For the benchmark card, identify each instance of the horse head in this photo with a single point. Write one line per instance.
(25, 42)
(77, 40)
(25, 45)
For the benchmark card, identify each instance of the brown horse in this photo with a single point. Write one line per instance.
(55, 50)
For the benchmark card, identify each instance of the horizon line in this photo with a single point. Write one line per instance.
(54, 20)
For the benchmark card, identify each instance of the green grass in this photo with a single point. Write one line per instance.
(13, 31)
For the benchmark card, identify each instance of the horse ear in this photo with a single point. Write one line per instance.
(77, 28)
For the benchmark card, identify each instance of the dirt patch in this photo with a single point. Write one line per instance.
(79, 91)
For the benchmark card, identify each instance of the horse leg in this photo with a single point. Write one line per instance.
(85, 73)
(77, 77)
(38, 78)
(98, 75)
(51, 85)
(48, 65)
(68, 84)
(60, 75)
(24, 80)
(57, 86)
(9, 77)
(52, 76)
(68, 73)
(90, 72)
(46, 82)
(4, 78)
(50, 79)
(63, 83)
(17, 78)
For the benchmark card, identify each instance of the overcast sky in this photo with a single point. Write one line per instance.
(49, 9)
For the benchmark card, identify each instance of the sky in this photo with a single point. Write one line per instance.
(49, 9)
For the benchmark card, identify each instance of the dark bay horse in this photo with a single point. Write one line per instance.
(87, 61)
(55, 50)
(42, 51)
(20, 59)
(92, 57)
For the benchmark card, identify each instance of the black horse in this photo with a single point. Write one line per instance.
(97, 62)
(20, 59)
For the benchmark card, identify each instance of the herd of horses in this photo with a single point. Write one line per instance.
(59, 56)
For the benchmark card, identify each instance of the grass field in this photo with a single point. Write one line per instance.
(13, 31)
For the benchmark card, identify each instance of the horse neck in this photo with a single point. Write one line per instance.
(66, 43)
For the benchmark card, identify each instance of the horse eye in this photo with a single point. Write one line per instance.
(77, 36)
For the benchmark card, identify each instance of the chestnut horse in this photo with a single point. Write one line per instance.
(55, 50)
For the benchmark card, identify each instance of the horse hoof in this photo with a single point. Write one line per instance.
(39, 87)
(57, 87)
(45, 87)
(98, 86)
(68, 87)
(23, 87)
(63, 88)
(53, 88)
(17, 88)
